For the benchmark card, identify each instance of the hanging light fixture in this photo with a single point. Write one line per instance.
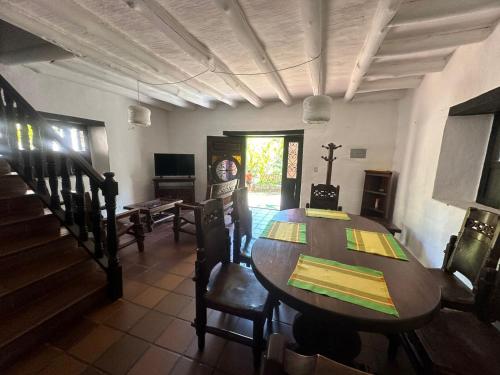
(139, 115)
(316, 109)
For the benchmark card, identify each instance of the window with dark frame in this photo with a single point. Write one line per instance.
(489, 187)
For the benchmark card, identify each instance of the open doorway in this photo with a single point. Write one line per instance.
(263, 172)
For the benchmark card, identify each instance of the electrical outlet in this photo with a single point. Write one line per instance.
(315, 169)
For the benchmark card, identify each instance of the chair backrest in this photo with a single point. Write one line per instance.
(242, 218)
(212, 239)
(324, 196)
(224, 191)
(476, 246)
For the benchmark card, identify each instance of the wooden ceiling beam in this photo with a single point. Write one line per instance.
(380, 95)
(384, 13)
(405, 68)
(91, 25)
(58, 72)
(311, 12)
(165, 22)
(80, 48)
(238, 21)
(421, 11)
(390, 84)
(420, 43)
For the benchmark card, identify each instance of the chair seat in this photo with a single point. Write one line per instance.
(235, 289)
(454, 293)
(458, 343)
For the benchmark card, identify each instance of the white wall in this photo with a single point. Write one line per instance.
(370, 125)
(130, 151)
(428, 223)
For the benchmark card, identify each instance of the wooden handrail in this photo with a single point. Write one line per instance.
(24, 134)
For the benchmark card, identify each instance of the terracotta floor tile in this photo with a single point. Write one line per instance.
(70, 336)
(126, 317)
(133, 271)
(177, 336)
(150, 277)
(245, 327)
(169, 281)
(64, 365)
(35, 361)
(189, 312)
(185, 366)
(173, 304)
(151, 326)
(156, 361)
(92, 371)
(237, 359)
(120, 357)
(222, 320)
(183, 269)
(95, 343)
(150, 297)
(100, 314)
(214, 346)
(186, 288)
(132, 289)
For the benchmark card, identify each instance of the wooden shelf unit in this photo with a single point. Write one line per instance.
(175, 188)
(378, 197)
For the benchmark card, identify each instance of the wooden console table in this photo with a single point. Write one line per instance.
(175, 188)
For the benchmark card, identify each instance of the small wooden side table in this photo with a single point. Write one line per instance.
(156, 211)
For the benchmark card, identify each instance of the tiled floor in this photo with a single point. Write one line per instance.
(149, 330)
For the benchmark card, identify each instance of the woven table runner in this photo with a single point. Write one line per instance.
(285, 231)
(358, 285)
(374, 243)
(327, 214)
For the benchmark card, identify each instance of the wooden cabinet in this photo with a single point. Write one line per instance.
(175, 188)
(378, 198)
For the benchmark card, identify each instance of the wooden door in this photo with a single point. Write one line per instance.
(226, 159)
(292, 171)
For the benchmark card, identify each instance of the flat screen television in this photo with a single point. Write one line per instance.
(174, 164)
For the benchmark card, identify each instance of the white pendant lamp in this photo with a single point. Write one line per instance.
(138, 115)
(316, 109)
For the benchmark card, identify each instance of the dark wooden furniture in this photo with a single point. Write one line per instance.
(177, 188)
(225, 286)
(325, 197)
(129, 226)
(155, 211)
(415, 294)
(475, 250)
(242, 219)
(183, 212)
(378, 198)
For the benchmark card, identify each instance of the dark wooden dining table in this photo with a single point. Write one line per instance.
(412, 289)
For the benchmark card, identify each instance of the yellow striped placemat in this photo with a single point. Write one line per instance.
(358, 285)
(327, 214)
(285, 231)
(374, 243)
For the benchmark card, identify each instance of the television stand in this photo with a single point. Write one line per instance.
(175, 187)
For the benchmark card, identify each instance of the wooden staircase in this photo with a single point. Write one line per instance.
(46, 279)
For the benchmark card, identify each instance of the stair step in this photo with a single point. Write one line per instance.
(22, 282)
(25, 328)
(22, 206)
(34, 242)
(12, 184)
(4, 167)
(47, 223)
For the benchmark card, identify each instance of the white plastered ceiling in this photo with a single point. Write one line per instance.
(367, 46)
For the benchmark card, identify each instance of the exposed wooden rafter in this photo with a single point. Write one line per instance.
(233, 12)
(404, 68)
(385, 12)
(165, 22)
(311, 12)
(82, 49)
(390, 84)
(100, 84)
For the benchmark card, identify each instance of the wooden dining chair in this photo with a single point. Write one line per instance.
(225, 286)
(242, 219)
(184, 221)
(475, 249)
(325, 197)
